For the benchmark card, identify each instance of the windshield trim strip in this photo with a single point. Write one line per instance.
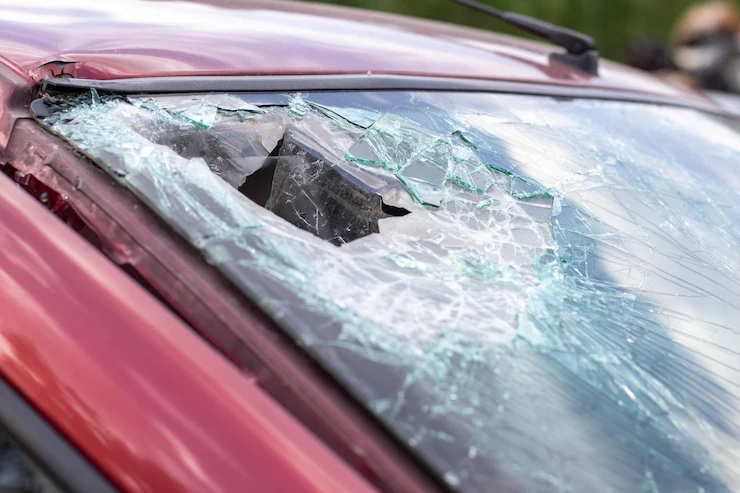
(355, 82)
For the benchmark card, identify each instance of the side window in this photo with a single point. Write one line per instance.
(18, 473)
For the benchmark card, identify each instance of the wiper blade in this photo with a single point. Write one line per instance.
(581, 51)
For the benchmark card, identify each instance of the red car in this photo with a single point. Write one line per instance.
(284, 247)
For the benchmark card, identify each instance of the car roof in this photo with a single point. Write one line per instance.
(136, 38)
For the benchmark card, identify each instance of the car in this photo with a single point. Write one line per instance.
(277, 246)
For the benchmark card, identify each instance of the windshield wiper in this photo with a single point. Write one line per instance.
(581, 51)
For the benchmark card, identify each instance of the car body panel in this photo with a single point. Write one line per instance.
(133, 38)
(141, 395)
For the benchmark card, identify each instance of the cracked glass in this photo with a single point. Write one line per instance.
(532, 294)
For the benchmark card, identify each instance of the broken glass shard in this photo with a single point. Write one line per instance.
(431, 170)
(425, 175)
(361, 117)
(150, 104)
(226, 102)
(298, 106)
(469, 171)
(522, 188)
(460, 135)
(321, 198)
(203, 116)
(200, 110)
(391, 142)
(178, 104)
(363, 152)
(245, 115)
(557, 206)
(483, 269)
(487, 203)
(191, 109)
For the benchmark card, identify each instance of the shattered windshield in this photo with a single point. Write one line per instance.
(533, 294)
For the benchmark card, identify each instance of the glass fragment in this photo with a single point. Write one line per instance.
(469, 171)
(227, 102)
(298, 106)
(391, 142)
(361, 117)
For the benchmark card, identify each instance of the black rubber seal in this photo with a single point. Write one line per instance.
(63, 463)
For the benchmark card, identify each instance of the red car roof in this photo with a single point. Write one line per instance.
(135, 38)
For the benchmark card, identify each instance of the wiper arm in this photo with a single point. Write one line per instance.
(581, 51)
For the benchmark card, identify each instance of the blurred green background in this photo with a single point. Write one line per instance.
(614, 23)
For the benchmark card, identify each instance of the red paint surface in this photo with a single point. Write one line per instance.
(153, 406)
(134, 38)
